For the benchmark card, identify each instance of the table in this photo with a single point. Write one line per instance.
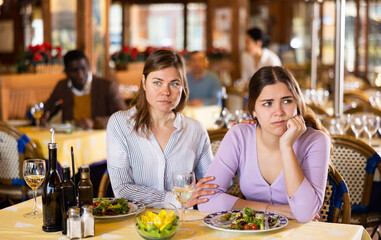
(89, 145)
(14, 226)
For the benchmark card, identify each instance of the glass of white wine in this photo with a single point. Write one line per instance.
(34, 174)
(183, 184)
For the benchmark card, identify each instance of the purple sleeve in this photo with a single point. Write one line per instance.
(223, 168)
(308, 199)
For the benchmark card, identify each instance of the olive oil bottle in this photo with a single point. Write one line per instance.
(51, 193)
(85, 187)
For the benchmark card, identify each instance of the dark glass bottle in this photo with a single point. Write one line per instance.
(85, 187)
(67, 196)
(51, 193)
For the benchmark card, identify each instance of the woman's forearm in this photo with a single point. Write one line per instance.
(292, 172)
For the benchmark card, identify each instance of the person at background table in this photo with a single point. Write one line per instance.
(204, 86)
(281, 161)
(146, 143)
(83, 97)
(256, 54)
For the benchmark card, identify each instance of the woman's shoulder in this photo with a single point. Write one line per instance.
(122, 116)
(312, 135)
(191, 123)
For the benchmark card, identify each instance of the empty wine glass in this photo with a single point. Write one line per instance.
(34, 174)
(343, 123)
(37, 110)
(357, 125)
(183, 183)
(371, 123)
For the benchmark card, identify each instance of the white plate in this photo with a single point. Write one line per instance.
(135, 207)
(213, 220)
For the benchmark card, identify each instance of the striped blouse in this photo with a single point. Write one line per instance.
(139, 170)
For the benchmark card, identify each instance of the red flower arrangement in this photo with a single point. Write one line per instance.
(217, 53)
(43, 53)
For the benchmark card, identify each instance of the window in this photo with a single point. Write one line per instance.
(63, 23)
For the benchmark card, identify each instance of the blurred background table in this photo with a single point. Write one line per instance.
(89, 145)
(205, 114)
(14, 226)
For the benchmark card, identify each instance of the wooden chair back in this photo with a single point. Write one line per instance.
(356, 162)
(356, 98)
(364, 109)
(216, 137)
(104, 185)
(15, 147)
(336, 206)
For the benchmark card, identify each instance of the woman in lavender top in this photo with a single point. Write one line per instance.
(281, 161)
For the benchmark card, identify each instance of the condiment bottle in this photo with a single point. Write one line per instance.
(85, 187)
(87, 220)
(68, 198)
(51, 192)
(74, 229)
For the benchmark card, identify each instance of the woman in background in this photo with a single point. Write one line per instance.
(146, 143)
(256, 54)
(281, 161)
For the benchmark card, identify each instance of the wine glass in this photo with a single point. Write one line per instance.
(357, 125)
(371, 123)
(183, 183)
(34, 174)
(37, 110)
(343, 123)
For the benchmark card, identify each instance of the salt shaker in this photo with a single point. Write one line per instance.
(87, 220)
(74, 230)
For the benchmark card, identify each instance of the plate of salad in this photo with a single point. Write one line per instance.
(245, 221)
(105, 208)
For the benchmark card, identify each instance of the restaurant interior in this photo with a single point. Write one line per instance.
(332, 47)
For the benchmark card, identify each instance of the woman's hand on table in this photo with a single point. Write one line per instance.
(199, 191)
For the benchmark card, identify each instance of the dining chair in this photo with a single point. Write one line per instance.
(357, 162)
(336, 206)
(104, 186)
(356, 98)
(15, 147)
(318, 110)
(364, 109)
(216, 137)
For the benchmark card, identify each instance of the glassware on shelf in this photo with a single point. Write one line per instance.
(183, 184)
(34, 174)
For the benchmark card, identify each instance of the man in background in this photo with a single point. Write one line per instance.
(204, 86)
(83, 97)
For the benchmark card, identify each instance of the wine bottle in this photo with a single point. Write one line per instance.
(51, 193)
(85, 187)
(68, 198)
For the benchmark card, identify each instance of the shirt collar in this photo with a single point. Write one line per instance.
(85, 90)
(178, 123)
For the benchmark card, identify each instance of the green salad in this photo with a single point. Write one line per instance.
(105, 206)
(249, 220)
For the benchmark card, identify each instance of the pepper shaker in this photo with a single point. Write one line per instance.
(87, 220)
(74, 230)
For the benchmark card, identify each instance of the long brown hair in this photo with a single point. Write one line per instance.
(157, 60)
(272, 75)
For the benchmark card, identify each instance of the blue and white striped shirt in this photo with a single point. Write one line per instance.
(139, 170)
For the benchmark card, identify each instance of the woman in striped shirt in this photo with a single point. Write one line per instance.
(151, 140)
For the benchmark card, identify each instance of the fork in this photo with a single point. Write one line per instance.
(266, 215)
